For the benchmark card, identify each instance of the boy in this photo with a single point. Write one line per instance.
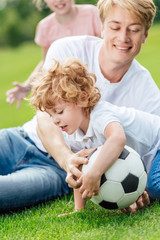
(68, 94)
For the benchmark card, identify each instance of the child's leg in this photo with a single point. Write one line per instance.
(78, 200)
(153, 182)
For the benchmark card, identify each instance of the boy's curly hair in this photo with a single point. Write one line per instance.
(70, 82)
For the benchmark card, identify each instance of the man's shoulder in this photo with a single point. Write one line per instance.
(78, 43)
(138, 74)
(81, 47)
(78, 39)
(137, 67)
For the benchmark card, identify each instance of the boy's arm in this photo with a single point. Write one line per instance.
(113, 146)
(78, 200)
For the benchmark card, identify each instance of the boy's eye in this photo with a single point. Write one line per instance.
(60, 112)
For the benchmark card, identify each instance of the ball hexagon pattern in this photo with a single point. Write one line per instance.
(123, 183)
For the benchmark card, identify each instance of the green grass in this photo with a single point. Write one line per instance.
(42, 222)
(149, 56)
(16, 65)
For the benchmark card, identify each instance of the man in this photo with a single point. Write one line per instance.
(120, 78)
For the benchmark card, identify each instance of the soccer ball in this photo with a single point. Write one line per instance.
(123, 183)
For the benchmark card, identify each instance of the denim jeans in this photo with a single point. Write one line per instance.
(27, 176)
(153, 182)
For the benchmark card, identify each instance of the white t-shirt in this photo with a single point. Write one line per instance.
(136, 89)
(142, 130)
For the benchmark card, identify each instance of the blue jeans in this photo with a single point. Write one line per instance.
(153, 182)
(27, 176)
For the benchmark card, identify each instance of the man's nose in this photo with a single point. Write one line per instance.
(124, 36)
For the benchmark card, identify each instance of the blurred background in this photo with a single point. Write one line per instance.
(18, 19)
(19, 55)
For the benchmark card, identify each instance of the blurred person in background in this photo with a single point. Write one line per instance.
(66, 19)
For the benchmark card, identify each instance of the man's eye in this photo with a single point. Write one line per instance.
(114, 28)
(134, 30)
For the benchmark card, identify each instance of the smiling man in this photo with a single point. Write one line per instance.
(120, 78)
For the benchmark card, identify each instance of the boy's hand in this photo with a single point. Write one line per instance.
(90, 184)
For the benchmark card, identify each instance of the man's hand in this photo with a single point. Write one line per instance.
(142, 202)
(74, 167)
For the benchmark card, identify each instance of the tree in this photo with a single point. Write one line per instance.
(18, 21)
(157, 3)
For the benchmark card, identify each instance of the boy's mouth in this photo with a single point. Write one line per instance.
(64, 128)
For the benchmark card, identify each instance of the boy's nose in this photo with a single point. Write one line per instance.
(56, 121)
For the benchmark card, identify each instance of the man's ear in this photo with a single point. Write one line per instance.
(145, 37)
(102, 32)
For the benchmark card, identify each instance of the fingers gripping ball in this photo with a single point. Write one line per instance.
(123, 183)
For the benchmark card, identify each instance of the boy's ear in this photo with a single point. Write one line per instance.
(84, 99)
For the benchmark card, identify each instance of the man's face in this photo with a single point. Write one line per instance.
(123, 36)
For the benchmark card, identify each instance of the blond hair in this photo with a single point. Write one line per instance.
(67, 82)
(144, 10)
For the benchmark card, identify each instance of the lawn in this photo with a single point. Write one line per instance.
(16, 65)
(42, 222)
(149, 56)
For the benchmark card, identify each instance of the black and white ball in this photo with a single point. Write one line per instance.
(123, 183)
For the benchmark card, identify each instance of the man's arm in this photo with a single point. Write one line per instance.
(55, 145)
(51, 136)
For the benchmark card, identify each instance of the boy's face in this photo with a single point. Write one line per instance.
(67, 116)
(123, 36)
(60, 7)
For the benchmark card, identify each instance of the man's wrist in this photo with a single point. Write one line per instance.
(64, 160)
